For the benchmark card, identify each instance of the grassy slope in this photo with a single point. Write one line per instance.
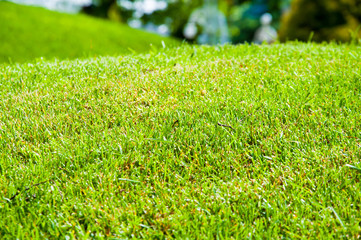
(130, 146)
(29, 32)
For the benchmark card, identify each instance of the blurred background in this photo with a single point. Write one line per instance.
(223, 21)
(323, 20)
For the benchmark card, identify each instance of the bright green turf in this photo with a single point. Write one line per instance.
(130, 146)
(27, 33)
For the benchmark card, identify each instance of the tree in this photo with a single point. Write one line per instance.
(242, 15)
(245, 17)
(100, 8)
(325, 19)
(175, 15)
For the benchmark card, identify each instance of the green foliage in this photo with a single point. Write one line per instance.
(100, 8)
(327, 19)
(175, 16)
(138, 146)
(27, 33)
(179, 12)
(243, 21)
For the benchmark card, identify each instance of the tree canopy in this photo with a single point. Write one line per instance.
(323, 20)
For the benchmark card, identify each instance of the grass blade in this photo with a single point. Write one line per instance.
(353, 167)
(338, 218)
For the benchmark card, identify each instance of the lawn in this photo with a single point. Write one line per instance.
(191, 142)
(28, 33)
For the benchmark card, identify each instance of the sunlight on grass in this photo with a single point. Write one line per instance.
(198, 142)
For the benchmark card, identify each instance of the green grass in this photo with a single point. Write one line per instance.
(27, 33)
(137, 147)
